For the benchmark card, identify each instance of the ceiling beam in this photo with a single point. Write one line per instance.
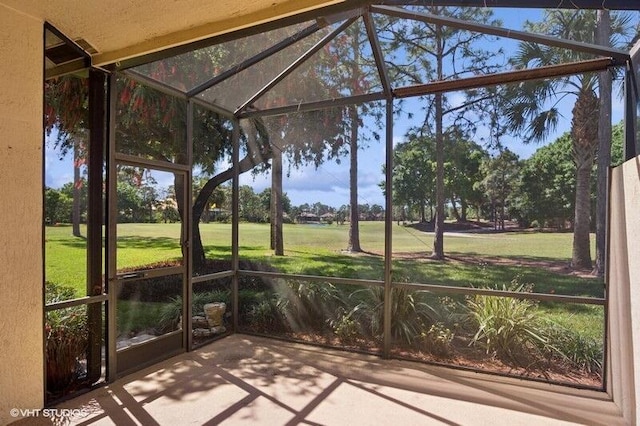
(619, 55)
(533, 4)
(315, 105)
(550, 71)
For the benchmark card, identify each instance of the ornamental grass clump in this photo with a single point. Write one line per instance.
(412, 312)
(583, 352)
(268, 316)
(312, 305)
(510, 328)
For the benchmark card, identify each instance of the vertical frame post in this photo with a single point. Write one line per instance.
(388, 224)
(235, 213)
(112, 215)
(187, 314)
(95, 210)
(631, 113)
(606, 379)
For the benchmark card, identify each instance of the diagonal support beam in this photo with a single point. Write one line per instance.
(288, 70)
(377, 54)
(618, 55)
(254, 60)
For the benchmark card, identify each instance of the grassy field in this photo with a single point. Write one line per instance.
(319, 250)
(527, 257)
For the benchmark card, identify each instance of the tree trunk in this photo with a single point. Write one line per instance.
(454, 209)
(179, 189)
(584, 133)
(255, 155)
(603, 33)
(438, 239)
(207, 213)
(423, 212)
(76, 212)
(463, 210)
(581, 256)
(494, 215)
(277, 238)
(354, 219)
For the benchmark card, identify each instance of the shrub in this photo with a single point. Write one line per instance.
(172, 312)
(66, 339)
(345, 327)
(311, 304)
(508, 327)
(585, 353)
(268, 316)
(411, 312)
(437, 340)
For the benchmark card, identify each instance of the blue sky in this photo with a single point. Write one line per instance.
(329, 183)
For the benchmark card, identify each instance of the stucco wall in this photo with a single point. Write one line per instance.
(624, 289)
(21, 352)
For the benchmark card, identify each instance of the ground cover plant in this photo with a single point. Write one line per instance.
(426, 326)
(66, 336)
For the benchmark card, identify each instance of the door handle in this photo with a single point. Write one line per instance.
(131, 276)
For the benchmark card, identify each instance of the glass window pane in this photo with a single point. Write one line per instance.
(313, 228)
(341, 315)
(150, 124)
(186, 71)
(149, 218)
(148, 308)
(212, 310)
(69, 334)
(65, 190)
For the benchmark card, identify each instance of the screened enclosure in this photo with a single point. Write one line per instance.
(369, 181)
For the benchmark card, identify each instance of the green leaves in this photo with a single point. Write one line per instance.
(507, 326)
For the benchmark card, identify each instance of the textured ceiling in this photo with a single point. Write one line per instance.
(121, 29)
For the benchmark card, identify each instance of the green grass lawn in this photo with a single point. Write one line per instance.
(318, 250)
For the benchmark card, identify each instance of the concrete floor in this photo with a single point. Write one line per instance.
(256, 381)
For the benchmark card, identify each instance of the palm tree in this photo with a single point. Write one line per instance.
(534, 106)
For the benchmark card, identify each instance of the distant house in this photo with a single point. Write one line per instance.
(217, 213)
(327, 217)
(307, 217)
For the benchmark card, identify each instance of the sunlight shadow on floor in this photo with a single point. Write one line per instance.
(252, 380)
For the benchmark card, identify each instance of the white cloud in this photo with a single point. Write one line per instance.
(456, 99)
